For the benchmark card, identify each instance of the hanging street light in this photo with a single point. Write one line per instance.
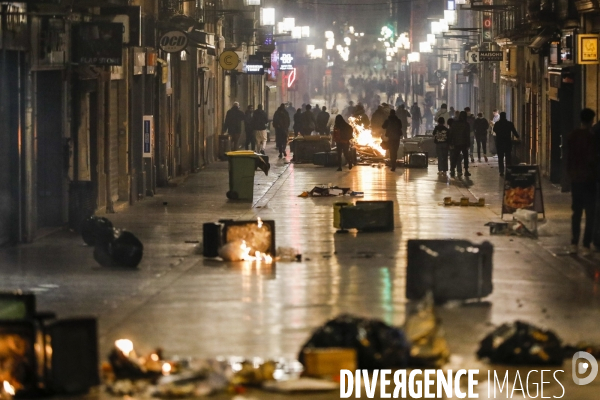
(267, 16)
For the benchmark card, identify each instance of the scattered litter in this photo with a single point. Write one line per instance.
(377, 344)
(528, 219)
(234, 251)
(288, 254)
(512, 228)
(127, 374)
(429, 348)
(519, 343)
(301, 385)
(327, 190)
(464, 202)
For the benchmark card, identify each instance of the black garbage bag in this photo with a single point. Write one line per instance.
(95, 229)
(520, 343)
(121, 249)
(377, 344)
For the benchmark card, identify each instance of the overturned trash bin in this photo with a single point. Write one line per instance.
(450, 269)
(242, 166)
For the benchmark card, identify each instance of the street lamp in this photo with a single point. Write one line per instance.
(267, 16)
(329, 35)
(414, 57)
(317, 53)
(305, 31)
(436, 28)
(450, 16)
(431, 39)
(444, 25)
(252, 2)
(310, 48)
(297, 32)
(289, 24)
(424, 47)
(281, 28)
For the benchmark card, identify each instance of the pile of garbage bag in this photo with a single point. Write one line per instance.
(520, 343)
(112, 247)
(377, 344)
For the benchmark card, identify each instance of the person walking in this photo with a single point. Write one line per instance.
(417, 119)
(481, 132)
(459, 138)
(332, 117)
(291, 111)
(308, 121)
(259, 124)
(233, 124)
(250, 138)
(342, 134)
(504, 130)
(393, 132)
(360, 116)
(492, 135)
(471, 121)
(582, 164)
(298, 122)
(377, 119)
(440, 138)
(404, 115)
(322, 120)
(443, 112)
(281, 122)
(428, 115)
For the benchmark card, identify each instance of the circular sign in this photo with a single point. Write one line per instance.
(229, 60)
(173, 41)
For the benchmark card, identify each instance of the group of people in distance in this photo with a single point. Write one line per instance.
(457, 132)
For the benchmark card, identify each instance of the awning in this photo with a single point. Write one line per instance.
(542, 38)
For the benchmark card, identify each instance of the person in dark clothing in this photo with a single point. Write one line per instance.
(459, 138)
(291, 111)
(440, 138)
(281, 122)
(321, 121)
(233, 124)
(471, 121)
(417, 119)
(316, 110)
(481, 132)
(259, 124)
(504, 129)
(298, 122)
(308, 121)
(393, 131)
(596, 235)
(582, 164)
(342, 134)
(250, 139)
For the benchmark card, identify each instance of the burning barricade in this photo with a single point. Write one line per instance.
(368, 147)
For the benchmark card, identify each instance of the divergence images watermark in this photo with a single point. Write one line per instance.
(431, 383)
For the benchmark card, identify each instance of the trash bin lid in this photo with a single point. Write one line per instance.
(241, 153)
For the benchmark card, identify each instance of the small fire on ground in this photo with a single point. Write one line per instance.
(8, 388)
(363, 137)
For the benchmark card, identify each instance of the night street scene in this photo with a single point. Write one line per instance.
(299, 199)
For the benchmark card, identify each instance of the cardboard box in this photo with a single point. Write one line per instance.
(329, 361)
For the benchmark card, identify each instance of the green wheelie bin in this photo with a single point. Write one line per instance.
(242, 167)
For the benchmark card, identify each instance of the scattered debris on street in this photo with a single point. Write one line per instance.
(520, 343)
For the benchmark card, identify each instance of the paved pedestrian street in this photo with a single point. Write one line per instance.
(195, 307)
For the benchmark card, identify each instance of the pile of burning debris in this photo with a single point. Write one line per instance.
(368, 147)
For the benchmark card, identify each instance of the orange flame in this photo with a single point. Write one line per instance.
(364, 137)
